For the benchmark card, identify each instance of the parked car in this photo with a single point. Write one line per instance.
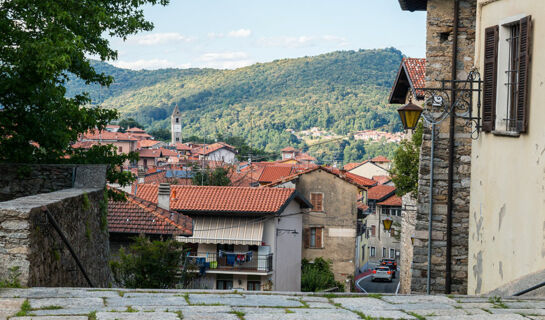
(382, 273)
(390, 263)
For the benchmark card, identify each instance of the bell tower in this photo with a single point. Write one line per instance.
(176, 126)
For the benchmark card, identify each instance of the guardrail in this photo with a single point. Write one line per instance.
(246, 261)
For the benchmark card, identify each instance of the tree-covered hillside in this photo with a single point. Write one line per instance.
(340, 91)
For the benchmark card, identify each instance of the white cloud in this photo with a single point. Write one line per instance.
(160, 38)
(302, 41)
(225, 60)
(151, 64)
(215, 35)
(240, 33)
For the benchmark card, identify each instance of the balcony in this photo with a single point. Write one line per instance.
(231, 262)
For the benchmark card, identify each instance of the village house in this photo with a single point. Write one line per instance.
(330, 227)
(243, 238)
(218, 151)
(134, 217)
(294, 156)
(378, 166)
(124, 142)
(506, 222)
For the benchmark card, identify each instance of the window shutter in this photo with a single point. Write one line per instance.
(319, 232)
(306, 237)
(319, 202)
(524, 60)
(490, 77)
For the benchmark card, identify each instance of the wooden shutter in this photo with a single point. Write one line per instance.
(316, 201)
(319, 232)
(306, 237)
(490, 77)
(524, 60)
(373, 230)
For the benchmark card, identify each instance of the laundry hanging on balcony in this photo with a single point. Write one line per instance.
(233, 258)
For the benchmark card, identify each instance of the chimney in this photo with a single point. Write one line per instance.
(141, 175)
(163, 196)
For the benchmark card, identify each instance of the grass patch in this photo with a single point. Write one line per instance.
(239, 314)
(13, 279)
(130, 309)
(497, 302)
(486, 310)
(289, 311)
(374, 295)
(25, 309)
(92, 315)
(49, 308)
(121, 293)
(417, 316)
(186, 297)
(180, 315)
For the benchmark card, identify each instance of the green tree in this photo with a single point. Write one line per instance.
(406, 162)
(44, 44)
(210, 177)
(125, 124)
(317, 276)
(161, 134)
(149, 264)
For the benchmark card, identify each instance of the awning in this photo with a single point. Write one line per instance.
(227, 230)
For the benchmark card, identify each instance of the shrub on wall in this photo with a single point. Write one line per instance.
(317, 276)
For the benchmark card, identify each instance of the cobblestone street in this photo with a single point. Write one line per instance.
(83, 304)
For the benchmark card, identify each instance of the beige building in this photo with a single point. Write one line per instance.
(507, 223)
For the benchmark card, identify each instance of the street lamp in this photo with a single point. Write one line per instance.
(387, 224)
(409, 114)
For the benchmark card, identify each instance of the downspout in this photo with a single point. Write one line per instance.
(430, 214)
(448, 270)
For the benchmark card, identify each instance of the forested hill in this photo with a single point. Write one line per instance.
(340, 91)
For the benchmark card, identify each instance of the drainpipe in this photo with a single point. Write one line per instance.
(448, 270)
(430, 214)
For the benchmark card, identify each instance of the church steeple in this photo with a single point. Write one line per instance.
(176, 126)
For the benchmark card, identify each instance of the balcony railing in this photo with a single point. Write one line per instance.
(244, 261)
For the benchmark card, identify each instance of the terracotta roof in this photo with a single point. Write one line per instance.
(168, 152)
(362, 206)
(146, 143)
(382, 179)
(213, 147)
(380, 159)
(84, 144)
(391, 201)
(416, 68)
(337, 172)
(149, 153)
(247, 177)
(135, 130)
(380, 192)
(361, 180)
(288, 149)
(304, 156)
(113, 126)
(140, 136)
(351, 165)
(182, 146)
(221, 199)
(139, 216)
(107, 135)
(273, 173)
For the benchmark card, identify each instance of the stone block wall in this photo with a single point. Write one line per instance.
(21, 180)
(440, 22)
(28, 240)
(408, 221)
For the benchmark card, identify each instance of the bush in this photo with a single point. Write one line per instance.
(149, 264)
(317, 276)
(13, 279)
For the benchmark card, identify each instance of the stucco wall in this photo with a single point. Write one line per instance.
(338, 219)
(382, 239)
(368, 170)
(507, 225)
(28, 241)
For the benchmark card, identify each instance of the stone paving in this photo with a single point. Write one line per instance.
(97, 304)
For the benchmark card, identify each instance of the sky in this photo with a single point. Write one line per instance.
(229, 34)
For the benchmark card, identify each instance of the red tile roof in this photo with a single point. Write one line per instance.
(391, 201)
(182, 146)
(107, 135)
(382, 179)
(149, 153)
(361, 180)
(140, 216)
(362, 206)
(363, 184)
(288, 149)
(380, 192)
(213, 147)
(246, 177)
(273, 173)
(416, 69)
(146, 143)
(221, 199)
(135, 130)
(380, 159)
(84, 144)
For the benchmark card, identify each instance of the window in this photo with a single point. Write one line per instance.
(373, 230)
(372, 251)
(177, 120)
(505, 76)
(316, 199)
(313, 237)
(224, 284)
(384, 252)
(120, 149)
(254, 285)
(392, 254)
(177, 139)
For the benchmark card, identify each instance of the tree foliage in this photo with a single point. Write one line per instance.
(149, 264)
(317, 276)
(44, 45)
(406, 163)
(210, 177)
(129, 123)
(341, 91)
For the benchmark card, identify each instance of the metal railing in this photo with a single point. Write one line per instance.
(247, 261)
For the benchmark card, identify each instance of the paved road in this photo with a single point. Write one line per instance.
(378, 287)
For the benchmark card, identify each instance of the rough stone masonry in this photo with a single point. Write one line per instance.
(439, 40)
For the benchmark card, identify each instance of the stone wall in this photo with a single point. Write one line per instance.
(28, 240)
(408, 221)
(439, 39)
(21, 180)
